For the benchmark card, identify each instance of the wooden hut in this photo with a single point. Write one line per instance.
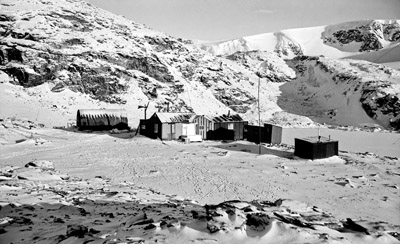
(168, 126)
(315, 147)
(233, 123)
(101, 119)
(268, 133)
(203, 124)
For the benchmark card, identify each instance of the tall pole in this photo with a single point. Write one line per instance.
(259, 118)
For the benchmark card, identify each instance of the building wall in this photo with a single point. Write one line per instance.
(103, 122)
(203, 125)
(315, 150)
(237, 127)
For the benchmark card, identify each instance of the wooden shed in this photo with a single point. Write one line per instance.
(168, 126)
(101, 119)
(203, 125)
(234, 123)
(315, 147)
(268, 133)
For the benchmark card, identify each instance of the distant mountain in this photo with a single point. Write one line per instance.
(334, 41)
(61, 55)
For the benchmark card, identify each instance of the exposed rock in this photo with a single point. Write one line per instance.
(77, 230)
(258, 221)
(42, 164)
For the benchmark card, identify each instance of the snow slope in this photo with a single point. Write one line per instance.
(334, 41)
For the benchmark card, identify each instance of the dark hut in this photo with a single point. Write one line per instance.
(228, 122)
(315, 147)
(101, 119)
(268, 133)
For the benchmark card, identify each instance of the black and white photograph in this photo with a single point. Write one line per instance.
(199, 121)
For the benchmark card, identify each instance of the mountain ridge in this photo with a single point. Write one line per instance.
(109, 61)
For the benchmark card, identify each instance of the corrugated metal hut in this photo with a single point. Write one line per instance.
(168, 126)
(234, 123)
(203, 124)
(101, 119)
(315, 147)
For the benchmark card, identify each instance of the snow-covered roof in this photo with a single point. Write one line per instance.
(228, 118)
(174, 117)
(101, 112)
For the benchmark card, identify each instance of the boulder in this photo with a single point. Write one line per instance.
(42, 164)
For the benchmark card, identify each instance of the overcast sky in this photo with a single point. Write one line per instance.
(228, 19)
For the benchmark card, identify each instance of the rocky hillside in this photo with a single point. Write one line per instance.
(343, 92)
(63, 55)
(74, 45)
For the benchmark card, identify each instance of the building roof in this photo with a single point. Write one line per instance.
(195, 116)
(228, 118)
(315, 139)
(102, 112)
(174, 117)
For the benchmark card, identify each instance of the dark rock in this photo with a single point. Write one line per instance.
(93, 231)
(22, 220)
(77, 230)
(213, 228)
(258, 221)
(144, 222)
(149, 227)
(351, 225)
(58, 220)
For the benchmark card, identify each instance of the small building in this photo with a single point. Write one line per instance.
(315, 147)
(203, 124)
(101, 119)
(228, 122)
(273, 134)
(268, 133)
(168, 126)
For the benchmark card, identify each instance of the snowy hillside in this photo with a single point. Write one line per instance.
(334, 41)
(71, 45)
(63, 55)
(343, 92)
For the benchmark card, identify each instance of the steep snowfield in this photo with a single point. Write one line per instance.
(340, 91)
(334, 41)
(387, 55)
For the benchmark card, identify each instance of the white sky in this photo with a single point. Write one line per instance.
(228, 19)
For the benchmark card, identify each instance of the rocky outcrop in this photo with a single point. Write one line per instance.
(377, 100)
(370, 36)
(269, 64)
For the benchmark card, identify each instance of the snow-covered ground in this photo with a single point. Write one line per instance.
(66, 186)
(122, 171)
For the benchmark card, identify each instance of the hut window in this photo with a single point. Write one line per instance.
(156, 128)
(201, 127)
(230, 126)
